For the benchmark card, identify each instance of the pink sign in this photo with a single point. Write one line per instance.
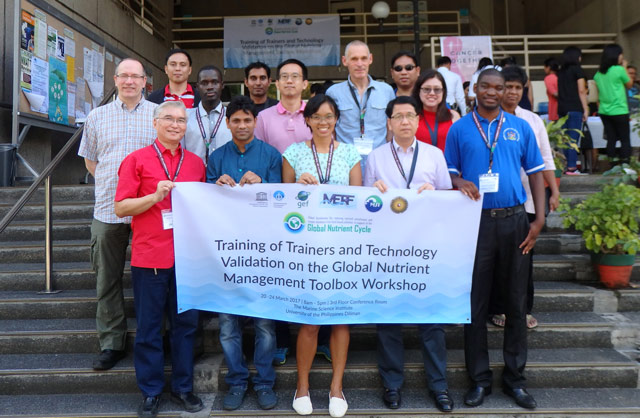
(465, 52)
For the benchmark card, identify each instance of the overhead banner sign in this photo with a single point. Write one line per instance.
(465, 53)
(314, 40)
(325, 254)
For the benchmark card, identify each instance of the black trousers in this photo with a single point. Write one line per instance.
(499, 258)
(616, 128)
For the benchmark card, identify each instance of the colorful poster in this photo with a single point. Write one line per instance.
(27, 32)
(325, 254)
(315, 40)
(58, 91)
(60, 48)
(465, 53)
(52, 41)
(40, 39)
(39, 85)
(25, 69)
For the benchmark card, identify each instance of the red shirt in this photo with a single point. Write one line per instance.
(551, 83)
(139, 174)
(187, 97)
(423, 133)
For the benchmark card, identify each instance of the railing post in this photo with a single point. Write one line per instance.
(47, 237)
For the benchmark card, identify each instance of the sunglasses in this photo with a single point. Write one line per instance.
(407, 67)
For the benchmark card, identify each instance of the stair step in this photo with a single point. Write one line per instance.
(591, 183)
(30, 252)
(79, 210)
(35, 231)
(10, 195)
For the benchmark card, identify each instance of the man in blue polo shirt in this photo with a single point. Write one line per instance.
(485, 152)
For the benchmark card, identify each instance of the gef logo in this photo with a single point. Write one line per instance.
(339, 200)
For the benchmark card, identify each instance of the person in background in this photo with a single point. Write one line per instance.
(178, 69)
(634, 90)
(435, 117)
(456, 95)
(483, 64)
(527, 97)
(468, 100)
(551, 67)
(257, 79)
(572, 101)
(404, 72)
(612, 81)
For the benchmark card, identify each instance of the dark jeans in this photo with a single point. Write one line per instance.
(154, 291)
(574, 123)
(616, 128)
(499, 258)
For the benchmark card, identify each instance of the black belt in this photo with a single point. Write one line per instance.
(503, 212)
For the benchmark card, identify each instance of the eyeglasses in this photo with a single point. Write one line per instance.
(429, 90)
(169, 120)
(293, 77)
(326, 118)
(407, 67)
(134, 77)
(408, 116)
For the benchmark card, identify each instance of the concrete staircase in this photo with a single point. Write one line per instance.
(583, 357)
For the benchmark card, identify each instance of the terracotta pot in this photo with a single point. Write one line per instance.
(614, 269)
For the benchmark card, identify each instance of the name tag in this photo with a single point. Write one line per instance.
(489, 183)
(167, 219)
(363, 145)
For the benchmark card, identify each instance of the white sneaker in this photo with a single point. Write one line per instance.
(302, 405)
(338, 406)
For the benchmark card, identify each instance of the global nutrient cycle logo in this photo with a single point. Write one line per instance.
(294, 222)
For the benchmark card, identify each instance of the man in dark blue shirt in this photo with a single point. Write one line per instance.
(246, 160)
(485, 152)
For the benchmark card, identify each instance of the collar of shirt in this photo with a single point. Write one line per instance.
(164, 150)
(399, 148)
(247, 147)
(482, 119)
(167, 92)
(123, 106)
(282, 110)
(203, 113)
(353, 86)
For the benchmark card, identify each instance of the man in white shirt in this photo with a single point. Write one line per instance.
(455, 91)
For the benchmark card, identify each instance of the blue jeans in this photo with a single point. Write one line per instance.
(154, 292)
(574, 121)
(265, 345)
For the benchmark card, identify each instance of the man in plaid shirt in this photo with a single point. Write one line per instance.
(112, 132)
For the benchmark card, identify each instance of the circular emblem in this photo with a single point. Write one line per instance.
(294, 222)
(302, 196)
(373, 203)
(278, 195)
(399, 204)
(268, 31)
(308, 21)
(511, 134)
(298, 21)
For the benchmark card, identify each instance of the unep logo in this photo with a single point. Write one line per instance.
(268, 31)
(294, 222)
(373, 203)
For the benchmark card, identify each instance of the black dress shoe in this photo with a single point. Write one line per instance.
(443, 401)
(188, 400)
(475, 396)
(392, 398)
(107, 359)
(521, 397)
(149, 407)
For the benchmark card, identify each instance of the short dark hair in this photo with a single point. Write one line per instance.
(571, 56)
(484, 61)
(610, 55)
(507, 61)
(177, 51)
(515, 73)
(296, 62)
(401, 100)
(404, 54)
(489, 72)
(632, 66)
(552, 63)
(317, 88)
(209, 68)
(241, 103)
(255, 65)
(443, 60)
(466, 84)
(318, 100)
(442, 112)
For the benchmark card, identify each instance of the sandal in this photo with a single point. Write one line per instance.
(531, 321)
(498, 320)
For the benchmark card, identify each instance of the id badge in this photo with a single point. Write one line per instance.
(363, 145)
(167, 219)
(489, 183)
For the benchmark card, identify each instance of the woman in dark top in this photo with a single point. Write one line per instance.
(572, 100)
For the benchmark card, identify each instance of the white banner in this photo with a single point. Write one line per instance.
(465, 53)
(314, 40)
(325, 254)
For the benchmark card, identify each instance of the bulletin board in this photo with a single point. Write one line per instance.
(64, 69)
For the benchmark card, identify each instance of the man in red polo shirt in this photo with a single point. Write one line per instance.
(178, 69)
(146, 178)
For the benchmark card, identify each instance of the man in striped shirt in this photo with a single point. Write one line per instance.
(178, 69)
(112, 132)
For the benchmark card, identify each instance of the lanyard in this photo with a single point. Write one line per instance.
(433, 132)
(413, 162)
(325, 179)
(164, 165)
(362, 108)
(491, 146)
(213, 132)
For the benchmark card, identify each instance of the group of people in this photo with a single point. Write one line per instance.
(359, 133)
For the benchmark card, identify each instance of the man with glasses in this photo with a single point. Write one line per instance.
(178, 69)
(206, 128)
(112, 132)
(455, 92)
(283, 124)
(146, 178)
(257, 79)
(406, 163)
(404, 72)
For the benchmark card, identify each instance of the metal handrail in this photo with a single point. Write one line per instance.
(46, 177)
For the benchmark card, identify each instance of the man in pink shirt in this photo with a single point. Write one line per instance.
(283, 124)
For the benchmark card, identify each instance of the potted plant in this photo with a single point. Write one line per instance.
(628, 173)
(609, 221)
(560, 140)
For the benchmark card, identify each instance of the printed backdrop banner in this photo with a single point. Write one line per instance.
(465, 53)
(325, 254)
(314, 40)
